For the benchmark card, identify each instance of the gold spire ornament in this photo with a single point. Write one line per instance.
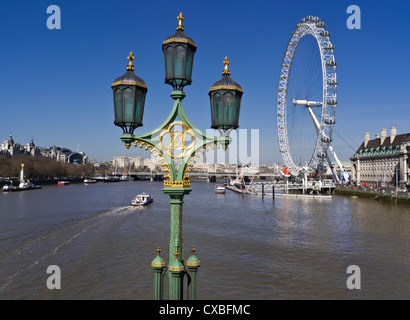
(180, 19)
(130, 58)
(158, 250)
(226, 64)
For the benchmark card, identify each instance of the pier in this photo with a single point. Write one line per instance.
(307, 188)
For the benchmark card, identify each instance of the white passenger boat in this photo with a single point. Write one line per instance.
(142, 200)
(219, 188)
(90, 181)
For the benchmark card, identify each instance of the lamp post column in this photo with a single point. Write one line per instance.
(176, 244)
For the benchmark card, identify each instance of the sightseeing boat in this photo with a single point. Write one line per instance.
(219, 188)
(142, 200)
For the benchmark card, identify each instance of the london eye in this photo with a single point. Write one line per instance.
(307, 101)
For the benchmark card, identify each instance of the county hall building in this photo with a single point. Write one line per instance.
(383, 161)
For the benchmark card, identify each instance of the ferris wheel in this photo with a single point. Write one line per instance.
(306, 96)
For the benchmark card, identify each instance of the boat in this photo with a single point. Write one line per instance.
(27, 185)
(142, 200)
(23, 185)
(125, 178)
(63, 183)
(219, 188)
(10, 188)
(111, 179)
(90, 181)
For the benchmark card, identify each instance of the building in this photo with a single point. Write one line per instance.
(122, 162)
(32, 149)
(10, 148)
(383, 161)
(129, 163)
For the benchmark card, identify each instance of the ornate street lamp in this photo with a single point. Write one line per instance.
(179, 50)
(129, 92)
(225, 95)
(176, 143)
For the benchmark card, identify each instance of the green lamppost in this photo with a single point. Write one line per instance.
(174, 142)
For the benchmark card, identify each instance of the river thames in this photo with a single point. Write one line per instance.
(249, 247)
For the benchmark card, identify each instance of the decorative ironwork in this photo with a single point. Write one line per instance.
(177, 139)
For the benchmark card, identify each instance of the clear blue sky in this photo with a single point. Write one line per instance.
(56, 84)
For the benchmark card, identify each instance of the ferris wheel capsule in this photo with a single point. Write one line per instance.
(325, 33)
(331, 102)
(326, 139)
(330, 121)
(332, 82)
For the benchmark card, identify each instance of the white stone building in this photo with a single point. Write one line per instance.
(383, 161)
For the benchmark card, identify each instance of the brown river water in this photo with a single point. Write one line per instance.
(249, 247)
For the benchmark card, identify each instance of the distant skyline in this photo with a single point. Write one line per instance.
(56, 84)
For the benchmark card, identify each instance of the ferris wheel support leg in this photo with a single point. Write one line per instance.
(345, 174)
(317, 126)
(335, 177)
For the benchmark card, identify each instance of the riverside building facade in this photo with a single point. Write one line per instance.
(65, 155)
(383, 161)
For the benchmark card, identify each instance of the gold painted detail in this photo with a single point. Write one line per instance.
(176, 269)
(158, 154)
(158, 264)
(225, 87)
(130, 58)
(184, 40)
(226, 64)
(193, 264)
(158, 250)
(180, 19)
(177, 183)
(177, 147)
(129, 82)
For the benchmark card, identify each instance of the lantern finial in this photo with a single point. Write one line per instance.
(180, 19)
(226, 64)
(130, 58)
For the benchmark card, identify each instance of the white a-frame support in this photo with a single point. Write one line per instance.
(332, 151)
